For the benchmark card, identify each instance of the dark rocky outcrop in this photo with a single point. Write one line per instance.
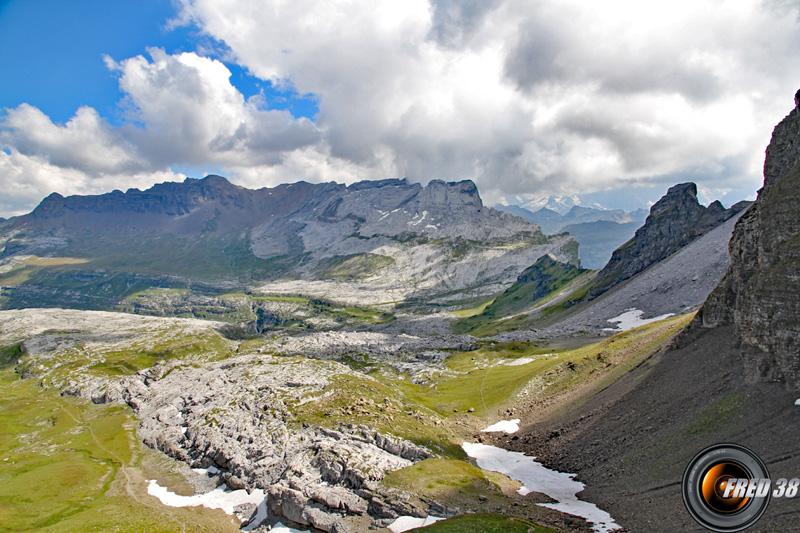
(760, 294)
(674, 221)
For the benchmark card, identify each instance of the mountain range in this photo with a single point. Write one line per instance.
(598, 231)
(396, 236)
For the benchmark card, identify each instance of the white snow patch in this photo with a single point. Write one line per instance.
(520, 361)
(219, 498)
(506, 426)
(280, 528)
(260, 516)
(405, 523)
(418, 222)
(535, 477)
(797, 401)
(632, 318)
(210, 471)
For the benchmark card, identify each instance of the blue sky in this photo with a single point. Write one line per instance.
(512, 95)
(52, 54)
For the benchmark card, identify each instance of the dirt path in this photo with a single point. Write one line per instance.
(134, 483)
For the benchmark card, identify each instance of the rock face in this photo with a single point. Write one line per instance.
(760, 294)
(674, 221)
(234, 416)
(676, 285)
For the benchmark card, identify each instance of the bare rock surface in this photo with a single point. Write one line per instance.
(233, 414)
(405, 352)
(760, 294)
(674, 221)
(678, 284)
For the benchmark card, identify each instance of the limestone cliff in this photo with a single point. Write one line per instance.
(760, 294)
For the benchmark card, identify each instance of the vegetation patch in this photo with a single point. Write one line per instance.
(353, 267)
(545, 277)
(206, 345)
(445, 480)
(23, 271)
(355, 399)
(717, 414)
(484, 380)
(472, 311)
(528, 301)
(9, 355)
(69, 465)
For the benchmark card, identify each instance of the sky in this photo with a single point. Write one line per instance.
(607, 102)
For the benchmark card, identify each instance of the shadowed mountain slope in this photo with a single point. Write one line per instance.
(731, 377)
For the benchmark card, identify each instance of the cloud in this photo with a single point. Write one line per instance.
(26, 179)
(552, 97)
(526, 98)
(190, 114)
(85, 143)
(181, 111)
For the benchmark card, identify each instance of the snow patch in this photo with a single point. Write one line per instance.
(412, 222)
(259, 518)
(280, 528)
(632, 318)
(219, 498)
(506, 426)
(797, 401)
(210, 471)
(520, 361)
(535, 477)
(406, 523)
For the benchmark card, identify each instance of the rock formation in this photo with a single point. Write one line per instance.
(674, 221)
(760, 294)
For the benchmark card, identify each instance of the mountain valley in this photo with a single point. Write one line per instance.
(327, 357)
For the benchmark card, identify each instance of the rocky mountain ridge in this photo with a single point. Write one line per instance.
(419, 239)
(674, 221)
(552, 222)
(760, 294)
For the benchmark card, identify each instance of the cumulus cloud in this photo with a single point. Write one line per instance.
(86, 142)
(192, 115)
(527, 98)
(182, 111)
